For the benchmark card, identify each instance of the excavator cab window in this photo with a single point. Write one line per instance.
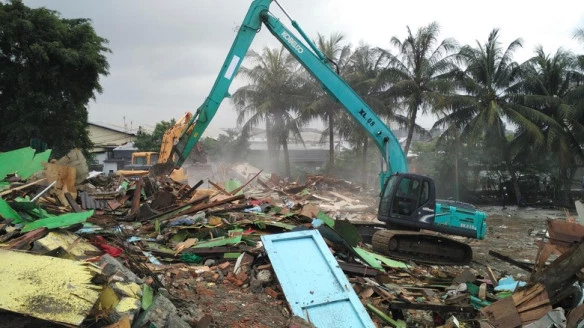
(407, 195)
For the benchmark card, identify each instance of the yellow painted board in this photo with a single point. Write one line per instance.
(47, 288)
(72, 243)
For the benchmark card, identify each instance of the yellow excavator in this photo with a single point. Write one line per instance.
(144, 163)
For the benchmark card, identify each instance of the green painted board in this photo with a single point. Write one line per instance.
(23, 161)
(326, 219)
(64, 220)
(147, 296)
(368, 258)
(376, 257)
(8, 212)
(222, 241)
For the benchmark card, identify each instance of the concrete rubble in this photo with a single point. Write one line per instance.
(159, 253)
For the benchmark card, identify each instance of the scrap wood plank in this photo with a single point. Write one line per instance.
(502, 313)
(525, 266)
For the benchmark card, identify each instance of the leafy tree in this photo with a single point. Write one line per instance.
(229, 147)
(548, 84)
(325, 107)
(418, 73)
(489, 78)
(146, 141)
(49, 70)
(362, 74)
(274, 97)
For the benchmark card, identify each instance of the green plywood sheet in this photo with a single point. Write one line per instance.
(326, 219)
(23, 161)
(64, 220)
(371, 258)
(222, 241)
(368, 258)
(8, 213)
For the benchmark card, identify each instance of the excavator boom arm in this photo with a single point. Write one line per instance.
(314, 63)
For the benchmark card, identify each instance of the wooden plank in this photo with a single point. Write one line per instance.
(137, 196)
(525, 266)
(502, 313)
(73, 203)
(492, 277)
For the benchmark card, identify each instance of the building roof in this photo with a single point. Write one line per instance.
(112, 128)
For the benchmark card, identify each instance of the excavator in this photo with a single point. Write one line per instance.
(407, 201)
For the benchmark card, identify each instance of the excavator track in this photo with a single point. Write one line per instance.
(421, 247)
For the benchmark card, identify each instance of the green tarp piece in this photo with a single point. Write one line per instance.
(8, 213)
(231, 255)
(231, 185)
(23, 161)
(222, 241)
(372, 258)
(386, 318)
(64, 220)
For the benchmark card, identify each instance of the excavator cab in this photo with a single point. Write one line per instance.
(407, 201)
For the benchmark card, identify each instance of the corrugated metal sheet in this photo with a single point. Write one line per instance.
(315, 287)
(88, 202)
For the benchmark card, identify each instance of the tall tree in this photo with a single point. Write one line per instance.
(146, 141)
(273, 97)
(488, 79)
(49, 70)
(362, 74)
(325, 107)
(418, 73)
(548, 82)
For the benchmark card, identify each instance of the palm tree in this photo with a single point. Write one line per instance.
(489, 98)
(273, 97)
(418, 73)
(363, 74)
(548, 81)
(323, 106)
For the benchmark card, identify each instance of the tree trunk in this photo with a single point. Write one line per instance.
(513, 174)
(286, 156)
(411, 125)
(331, 120)
(272, 143)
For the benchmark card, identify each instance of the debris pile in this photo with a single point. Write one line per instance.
(84, 249)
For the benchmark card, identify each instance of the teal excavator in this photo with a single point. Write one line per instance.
(408, 201)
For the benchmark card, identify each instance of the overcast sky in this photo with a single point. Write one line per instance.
(167, 54)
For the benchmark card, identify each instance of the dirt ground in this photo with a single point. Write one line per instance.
(511, 231)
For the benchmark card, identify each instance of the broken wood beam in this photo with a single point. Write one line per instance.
(76, 208)
(525, 266)
(23, 242)
(6, 192)
(203, 207)
(234, 192)
(561, 273)
(178, 211)
(218, 187)
(136, 198)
